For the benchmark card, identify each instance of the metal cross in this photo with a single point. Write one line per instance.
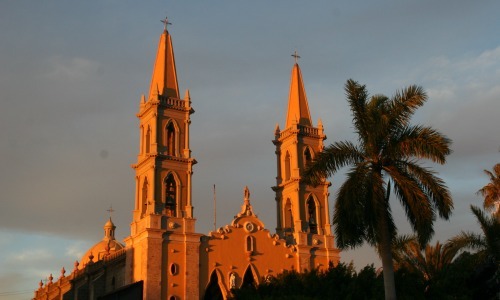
(296, 56)
(166, 22)
(110, 210)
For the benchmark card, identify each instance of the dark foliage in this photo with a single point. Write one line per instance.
(339, 282)
(462, 279)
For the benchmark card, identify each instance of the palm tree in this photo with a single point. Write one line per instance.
(388, 151)
(407, 253)
(491, 191)
(487, 247)
(486, 244)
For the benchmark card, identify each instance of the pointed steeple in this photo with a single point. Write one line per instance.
(298, 108)
(302, 208)
(164, 79)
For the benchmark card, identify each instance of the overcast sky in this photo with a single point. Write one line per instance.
(72, 72)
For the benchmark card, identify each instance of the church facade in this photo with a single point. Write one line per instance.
(164, 257)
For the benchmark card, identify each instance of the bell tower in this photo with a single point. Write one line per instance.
(164, 248)
(164, 164)
(302, 210)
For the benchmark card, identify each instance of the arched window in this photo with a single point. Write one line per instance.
(287, 166)
(307, 157)
(311, 212)
(171, 139)
(141, 143)
(144, 197)
(250, 243)
(170, 195)
(288, 219)
(148, 140)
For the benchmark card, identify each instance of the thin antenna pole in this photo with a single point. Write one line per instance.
(215, 210)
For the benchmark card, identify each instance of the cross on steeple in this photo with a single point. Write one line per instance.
(110, 210)
(295, 56)
(166, 22)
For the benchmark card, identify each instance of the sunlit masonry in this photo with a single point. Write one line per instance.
(164, 257)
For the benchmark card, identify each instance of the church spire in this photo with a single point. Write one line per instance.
(298, 108)
(302, 208)
(164, 78)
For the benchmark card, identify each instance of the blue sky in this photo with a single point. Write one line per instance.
(72, 72)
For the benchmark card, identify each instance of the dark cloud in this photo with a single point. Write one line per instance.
(71, 79)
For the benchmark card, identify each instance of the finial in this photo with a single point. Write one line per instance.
(295, 56)
(277, 129)
(63, 271)
(91, 257)
(40, 284)
(76, 265)
(246, 193)
(50, 278)
(110, 210)
(166, 22)
(143, 99)
(187, 96)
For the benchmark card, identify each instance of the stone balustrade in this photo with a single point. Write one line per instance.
(304, 130)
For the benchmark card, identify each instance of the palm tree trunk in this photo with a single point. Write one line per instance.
(385, 253)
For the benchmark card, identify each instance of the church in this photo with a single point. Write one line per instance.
(164, 257)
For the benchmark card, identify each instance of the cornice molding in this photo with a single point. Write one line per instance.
(161, 157)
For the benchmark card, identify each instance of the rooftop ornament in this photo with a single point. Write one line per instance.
(166, 22)
(295, 56)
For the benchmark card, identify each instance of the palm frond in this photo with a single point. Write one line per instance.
(486, 245)
(420, 142)
(377, 122)
(482, 219)
(399, 245)
(434, 187)
(491, 191)
(349, 217)
(425, 259)
(331, 159)
(357, 96)
(404, 104)
(418, 208)
(490, 226)
(467, 240)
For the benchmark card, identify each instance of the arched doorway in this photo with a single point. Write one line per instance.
(213, 291)
(248, 280)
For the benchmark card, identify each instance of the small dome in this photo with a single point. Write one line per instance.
(109, 224)
(108, 245)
